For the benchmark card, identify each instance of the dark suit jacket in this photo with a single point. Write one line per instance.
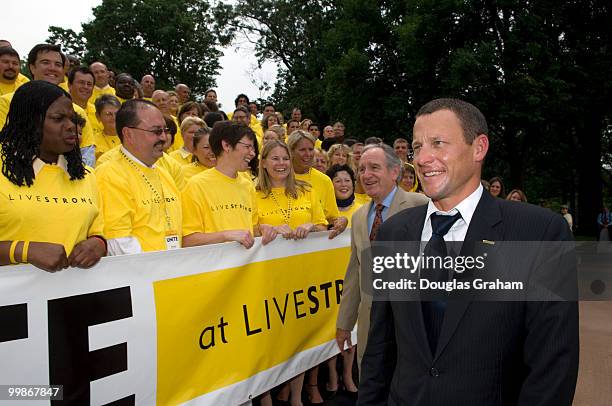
(489, 353)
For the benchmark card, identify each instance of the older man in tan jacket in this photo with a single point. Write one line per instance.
(379, 170)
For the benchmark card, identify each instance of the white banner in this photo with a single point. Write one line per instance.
(122, 331)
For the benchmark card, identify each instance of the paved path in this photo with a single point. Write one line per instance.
(595, 374)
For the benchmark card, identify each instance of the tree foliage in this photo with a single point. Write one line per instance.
(72, 43)
(541, 72)
(176, 41)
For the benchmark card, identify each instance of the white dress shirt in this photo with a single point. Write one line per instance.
(458, 231)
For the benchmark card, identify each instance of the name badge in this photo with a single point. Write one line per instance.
(172, 242)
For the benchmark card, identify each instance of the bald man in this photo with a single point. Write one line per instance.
(183, 92)
(148, 86)
(101, 76)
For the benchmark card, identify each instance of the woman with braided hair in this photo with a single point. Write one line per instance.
(49, 202)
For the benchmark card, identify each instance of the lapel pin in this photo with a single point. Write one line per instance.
(488, 242)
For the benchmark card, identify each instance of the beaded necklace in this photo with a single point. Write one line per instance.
(160, 198)
(286, 214)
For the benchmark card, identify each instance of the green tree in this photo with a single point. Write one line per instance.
(541, 71)
(175, 41)
(72, 43)
(290, 33)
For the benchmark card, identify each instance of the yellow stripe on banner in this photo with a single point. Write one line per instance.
(218, 328)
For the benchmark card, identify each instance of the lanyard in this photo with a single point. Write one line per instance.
(161, 198)
(286, 215)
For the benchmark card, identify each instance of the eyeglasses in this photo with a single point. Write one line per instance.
(157, 131)
(249, 146)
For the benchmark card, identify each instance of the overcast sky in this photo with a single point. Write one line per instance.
(238, 65)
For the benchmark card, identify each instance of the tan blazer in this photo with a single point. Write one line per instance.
(355, 305)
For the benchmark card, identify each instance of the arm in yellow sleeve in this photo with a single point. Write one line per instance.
(118, 206)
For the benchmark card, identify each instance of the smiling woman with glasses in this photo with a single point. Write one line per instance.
(220, 204)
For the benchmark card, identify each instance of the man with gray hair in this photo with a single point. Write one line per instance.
(148, 86)
(160, 98)
(380, 170)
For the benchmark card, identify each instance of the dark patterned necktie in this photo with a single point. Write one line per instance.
(433, 311)
(377, 221)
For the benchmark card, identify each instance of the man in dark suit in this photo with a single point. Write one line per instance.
(465, 352)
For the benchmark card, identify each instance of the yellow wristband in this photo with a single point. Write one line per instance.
(12, 251)
(24, 252)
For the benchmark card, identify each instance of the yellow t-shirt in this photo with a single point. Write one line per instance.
(324, 189)
(5, 103)
(362, 198)
(7, 87)
(64, 84)
(139, 202)
(165, 162)
(257, 129)
(318, 144)
(54, 209)
(174, 169)
(92, 118)
(104, 143)
(97, 92)
(87, 137)
(10, 88)
(107, 156)
(193, 169)
(182, 157)
(352, 209)
(277, 209)
(178, 138)
(213, 202)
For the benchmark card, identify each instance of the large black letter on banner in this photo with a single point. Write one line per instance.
(13, 322)
(70, 362)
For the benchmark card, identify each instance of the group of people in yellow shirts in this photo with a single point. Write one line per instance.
(160, 182)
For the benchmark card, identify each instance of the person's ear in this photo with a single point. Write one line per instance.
(226, 146)
(481, 147)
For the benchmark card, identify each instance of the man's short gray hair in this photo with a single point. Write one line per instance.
(391, 159)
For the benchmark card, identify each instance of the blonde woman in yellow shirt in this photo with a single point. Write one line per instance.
(286, 207)
(339, 154)
(289, 206)
(49, 202)
(189, 126)
(203, 157)
(301, 144)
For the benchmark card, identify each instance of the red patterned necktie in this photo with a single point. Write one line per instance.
(377, 221)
